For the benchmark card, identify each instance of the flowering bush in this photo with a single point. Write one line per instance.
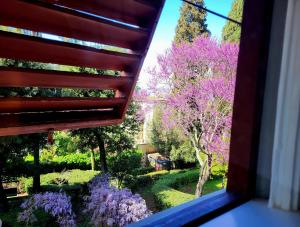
(112, 207)
(58, 205)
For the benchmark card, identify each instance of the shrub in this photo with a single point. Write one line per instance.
(135, 182)
(124, 164)
(57, 164)
(58, 205)
(164, 189)
(142, 171)
(108, 206)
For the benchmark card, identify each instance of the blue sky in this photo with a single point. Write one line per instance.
(165, 30)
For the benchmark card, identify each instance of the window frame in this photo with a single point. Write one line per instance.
(246, 122)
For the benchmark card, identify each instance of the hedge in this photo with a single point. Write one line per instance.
(164, 189)
(69, 181)
(59, 163)
(135, 182)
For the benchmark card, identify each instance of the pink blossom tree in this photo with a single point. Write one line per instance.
(196, 82)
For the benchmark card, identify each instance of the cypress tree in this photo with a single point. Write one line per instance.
(192, 22)
(231, 31)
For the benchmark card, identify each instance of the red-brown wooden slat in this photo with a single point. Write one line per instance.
(18, 77)
(26, 123)
(141, 12)
(29, 48)
(137, 12)
(24, 104)
(129, 93)
(42, 17)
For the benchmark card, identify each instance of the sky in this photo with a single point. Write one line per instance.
(165, 30)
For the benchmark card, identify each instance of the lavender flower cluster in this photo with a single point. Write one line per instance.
(58, 205)
(109, 206)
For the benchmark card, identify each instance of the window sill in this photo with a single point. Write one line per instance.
(195, 212)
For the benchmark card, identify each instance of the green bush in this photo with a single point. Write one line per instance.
(57, 164)
(124, 164)
(76, 180)
(135, 182)
(164, 189)
(142, 171)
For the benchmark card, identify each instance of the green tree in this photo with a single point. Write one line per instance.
(124, 164)
(185, 153)
(162, 139)
(192, 22)
(232, 31)
(10, 150)
(114, 139)
(13, 149)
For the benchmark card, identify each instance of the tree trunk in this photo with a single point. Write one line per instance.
(93, 160)
(103, 164)
(203, 177)
(36, 171)
(3, 200)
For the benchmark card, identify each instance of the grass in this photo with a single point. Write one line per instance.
(179, 187)
(210, 186)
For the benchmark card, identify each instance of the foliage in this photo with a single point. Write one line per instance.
(192, 22)
(231, 31)
(10, 218)
(124, 164)
(25, 167)
(185, 152)
(167, 190)
(142, 170)
(135, 182)
(109, 206)
(111, 138)
(196, 82)
(76, 179)
(163, 140)
(58, 205)
(64, 143)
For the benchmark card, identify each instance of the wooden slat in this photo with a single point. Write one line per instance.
(24, 104)
(42, 17)
(137, 12)
(26, 123)
(18, 77)
(23, 47)
(129, 94)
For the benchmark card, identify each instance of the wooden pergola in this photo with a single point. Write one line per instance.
(128, 24)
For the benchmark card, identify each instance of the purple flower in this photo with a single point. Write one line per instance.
(110, 206)
(58, 205)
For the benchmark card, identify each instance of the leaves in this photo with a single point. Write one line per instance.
(192, 22)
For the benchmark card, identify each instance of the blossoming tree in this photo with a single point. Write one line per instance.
(196, 82)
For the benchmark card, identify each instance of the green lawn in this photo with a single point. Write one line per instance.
(210, 186)
(176, 188)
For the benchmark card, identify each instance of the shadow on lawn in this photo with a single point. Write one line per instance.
(209, 187)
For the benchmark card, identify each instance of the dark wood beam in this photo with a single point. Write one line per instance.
(38, 16)
(29, 48)
(18, 77)
(26, 123)
(137, 12)
(25, 104)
